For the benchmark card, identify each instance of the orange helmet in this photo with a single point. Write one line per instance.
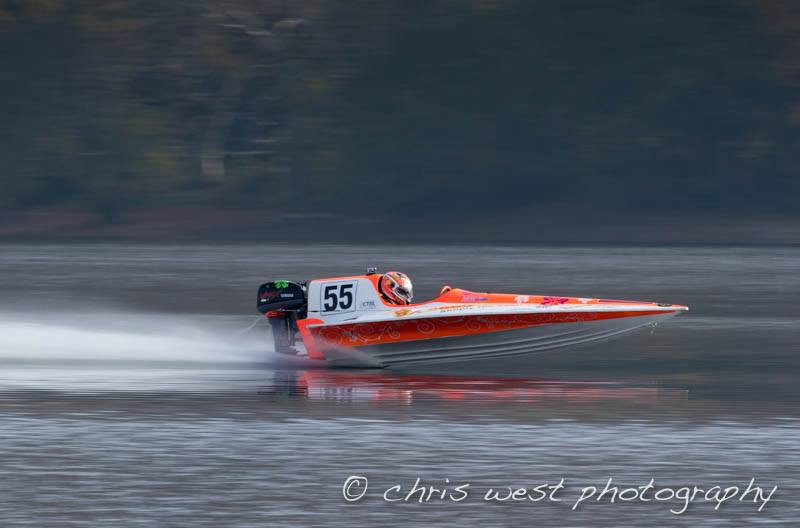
(396, 287)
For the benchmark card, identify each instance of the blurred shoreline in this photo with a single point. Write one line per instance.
(554, 224)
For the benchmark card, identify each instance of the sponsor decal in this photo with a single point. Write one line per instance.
(455, 308)
(554, 300)
(267, 295)
(287, 296)
(473, 297)
(444, 309)
(519, 299)
(281, 284)
(368, 305)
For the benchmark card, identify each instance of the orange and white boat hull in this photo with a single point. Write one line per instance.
(363, 330)
(481, 345)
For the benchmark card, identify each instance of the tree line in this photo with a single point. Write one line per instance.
(437, 106)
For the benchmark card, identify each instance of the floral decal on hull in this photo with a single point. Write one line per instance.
(358, 334)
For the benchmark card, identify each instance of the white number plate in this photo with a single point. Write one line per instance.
(338, 297)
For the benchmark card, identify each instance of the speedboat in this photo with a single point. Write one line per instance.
(348, 321)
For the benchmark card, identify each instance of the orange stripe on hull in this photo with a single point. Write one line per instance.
(359, 334)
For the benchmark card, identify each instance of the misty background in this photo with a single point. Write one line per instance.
(609, 120)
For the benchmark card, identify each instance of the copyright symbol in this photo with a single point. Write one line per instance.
(354, 488)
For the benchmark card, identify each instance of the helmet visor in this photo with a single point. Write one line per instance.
(405, 288)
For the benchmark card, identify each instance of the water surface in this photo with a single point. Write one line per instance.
(132, 391)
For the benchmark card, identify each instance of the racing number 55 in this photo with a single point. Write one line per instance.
(338, 297)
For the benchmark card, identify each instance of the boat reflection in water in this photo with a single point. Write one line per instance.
(381, 386)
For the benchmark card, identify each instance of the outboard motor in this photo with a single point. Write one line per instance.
(283, 303)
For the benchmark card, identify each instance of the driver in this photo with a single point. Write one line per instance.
(396, 288)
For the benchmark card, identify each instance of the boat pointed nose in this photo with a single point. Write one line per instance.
(675, 307)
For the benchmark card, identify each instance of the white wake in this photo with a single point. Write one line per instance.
(125, 336)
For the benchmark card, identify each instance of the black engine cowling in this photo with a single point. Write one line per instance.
(280, 295)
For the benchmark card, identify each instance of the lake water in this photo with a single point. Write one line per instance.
(134, 391)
